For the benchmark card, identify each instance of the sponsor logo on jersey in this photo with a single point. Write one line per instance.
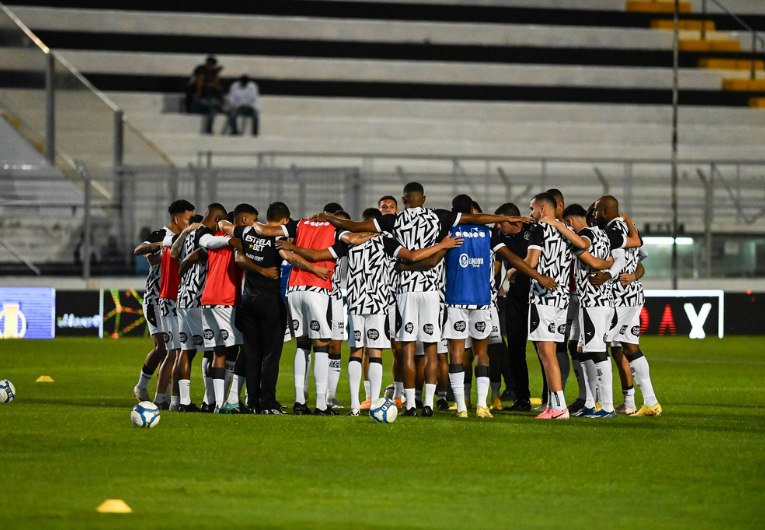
(562, 328)
(357, 335)
(166, 336)
(480, 326)
(622, 330)
(466, 261)
(428, 328)
(295, 325)
(635, 331)
(183, 337)
(314, 325)
(470, 235)
(223, 334)
(409, 327)
(198, 340)
(459, 326)
(209, 334)
(373, 334)
(551, 327)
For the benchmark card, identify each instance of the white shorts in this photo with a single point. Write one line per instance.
(191, 336)
(151, 314)
(628, 325)
(369, 331)
(546, 323)
(496, 328)
(418, 317)
(596, 325)
(572, 319)
(338, 320)
(310, 314)
(220, 326)
(461, 323)
(168, 316)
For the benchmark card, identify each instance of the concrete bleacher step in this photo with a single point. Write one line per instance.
(653, 6)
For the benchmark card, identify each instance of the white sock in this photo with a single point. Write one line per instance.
(354, 379)
(398, 389)
(162, 397)
(184, 389)
(557, 400)
(468, 390)
(410, 398)
(642, 376)
(220, 392)
(299, 371)
(307, 374)
(333, 377)
(592, 382)
(457, 380)
(229, 375)
(482, 390)
(205, 366)
(580, 378)
(320, 374)
(366, 390)
(144, 380)
(629, 396)
(495, 387)
(235, 390)
(209, 391)
(430, 392)
(605, 384)
(375, 380)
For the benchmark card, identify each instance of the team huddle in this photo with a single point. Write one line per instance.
(437, 287)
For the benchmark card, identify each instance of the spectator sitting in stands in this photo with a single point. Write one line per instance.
(243, 99)
(203, 94)
(112, 257)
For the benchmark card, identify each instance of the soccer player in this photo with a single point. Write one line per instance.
(180, 212)
(596, 312)
(338, 318)
(221, 295)
(369, 293)
(550, 253)
(417, 298)
(628, 300)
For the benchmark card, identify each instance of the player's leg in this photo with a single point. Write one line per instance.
(335, 349)
(419, 370)
(572, 335)
(642, 374)
(430, 333)
(238, 382)
(407, 305)
(443, 376)
(625, 378)
(208, 403)
(155, 356)
(456, 331)
(356, 335)
(296, 309)
(595, 323)
(546, 327)
(376, 341)
(480, 331)
(496, 350)
(516, 322)
(365, 374)
(318, 312)
(271, 344)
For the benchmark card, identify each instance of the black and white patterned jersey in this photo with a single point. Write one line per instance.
(496, 244)
(625, 295)
(600, 247)
(417, 228)
(340, 272)
(193, 281)
(554, 261)
(151, 293)
(370, 276)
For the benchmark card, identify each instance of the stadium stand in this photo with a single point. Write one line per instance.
(435, 88)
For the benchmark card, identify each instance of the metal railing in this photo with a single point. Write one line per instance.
(755, 37)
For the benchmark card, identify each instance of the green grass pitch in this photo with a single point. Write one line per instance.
(67, 446)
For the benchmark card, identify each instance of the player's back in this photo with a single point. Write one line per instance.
(554, 261)
(370, 280)
(224, 279)
(314, 235)
(468, 268)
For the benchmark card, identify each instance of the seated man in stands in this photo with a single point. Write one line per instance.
(243, 99)
(203, 94)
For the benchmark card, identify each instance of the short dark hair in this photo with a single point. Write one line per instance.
(371, 213)
(332, 207)
(245, 208)
(195, 219)
(508, 209)
(477, 207)
(556, 193)
(343, 214)
(180, 206)
(414, 187)
(574, 210)
(216, 206)
(462, 204)
(277, 211)
(545, 197)
(387, 198)
(212, 60)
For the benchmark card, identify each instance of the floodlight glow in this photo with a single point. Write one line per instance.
(667, 240)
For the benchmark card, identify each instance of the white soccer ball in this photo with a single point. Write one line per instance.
(7, 391)
(383, 410)
(145, 414)
(389, 391)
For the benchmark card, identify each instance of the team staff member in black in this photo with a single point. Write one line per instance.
(516, 238)
(264, 314)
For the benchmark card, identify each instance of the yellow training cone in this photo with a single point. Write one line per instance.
(114, 506)
(44, 379)
(535, 401)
